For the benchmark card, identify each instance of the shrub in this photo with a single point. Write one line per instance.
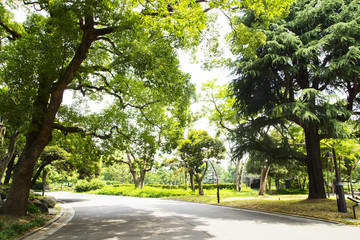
(148, 191)
(38, 186)
(292, 191)
(32, 209)
(14, 229)
(85, 186)
(2, 224)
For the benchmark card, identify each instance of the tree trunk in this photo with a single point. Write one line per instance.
(269, 183)
(314, 166)
(192, 181)
(241, 175)
(135, 178)
(44, 176)
(264, 173)
(10, 169)
(9, 155)
(277, 183)
(16, 202)
(46, 106)
(236, 179)
(37, 174)
(142, 179)
(200, 184)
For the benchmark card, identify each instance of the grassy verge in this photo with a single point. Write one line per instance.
(14, 227)
(291, 204)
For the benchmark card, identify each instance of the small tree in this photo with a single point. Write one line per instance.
(198, 147)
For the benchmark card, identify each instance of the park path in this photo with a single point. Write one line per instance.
(93, 217)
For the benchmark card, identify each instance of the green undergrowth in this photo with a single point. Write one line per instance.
(161, 192)
(150, 192)
(12, 228)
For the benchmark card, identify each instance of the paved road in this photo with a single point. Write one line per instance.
(115, 217)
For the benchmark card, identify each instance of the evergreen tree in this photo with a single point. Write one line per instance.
(308, 58)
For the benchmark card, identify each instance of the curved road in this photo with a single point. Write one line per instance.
(116, 217)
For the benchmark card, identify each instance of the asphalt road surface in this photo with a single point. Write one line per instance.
(114, 217)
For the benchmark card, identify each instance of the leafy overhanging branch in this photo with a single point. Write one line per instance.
(14, 34)
(66, 130)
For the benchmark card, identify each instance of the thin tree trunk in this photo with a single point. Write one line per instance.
(264, 173)
(236, 179)
(5, 160)
(269, 183)
(10, 169)
(44, 177)
(192, 181)
(241, 175)
(37, 174)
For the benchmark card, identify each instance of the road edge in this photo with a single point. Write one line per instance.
(65, 215)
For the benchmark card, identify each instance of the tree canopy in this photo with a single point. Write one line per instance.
(197, 150)
(95, 48)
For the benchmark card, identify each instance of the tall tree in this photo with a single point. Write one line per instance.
(219, 110)
(308, 56)
(197, 150)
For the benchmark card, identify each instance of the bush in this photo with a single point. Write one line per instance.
(38, 186)
(85, 186)
(292, 191)
(32, 209)
(148, 191)
(14, 229)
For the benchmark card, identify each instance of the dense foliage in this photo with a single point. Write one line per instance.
(306, 73)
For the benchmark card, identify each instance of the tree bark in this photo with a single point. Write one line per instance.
(314, 166)
(142, 179)
(236, 179)
(9, 155)
(192, 181)
(269, 183)
(37, 174)
(199, 179)
(10, 169)
(200, 184)
(44, 177)
(46, 106)
(241, 175)
(264, 173)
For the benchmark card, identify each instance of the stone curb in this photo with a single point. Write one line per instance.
(65, 215)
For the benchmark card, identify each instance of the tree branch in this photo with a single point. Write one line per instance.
(14, 34)
(66, 130)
